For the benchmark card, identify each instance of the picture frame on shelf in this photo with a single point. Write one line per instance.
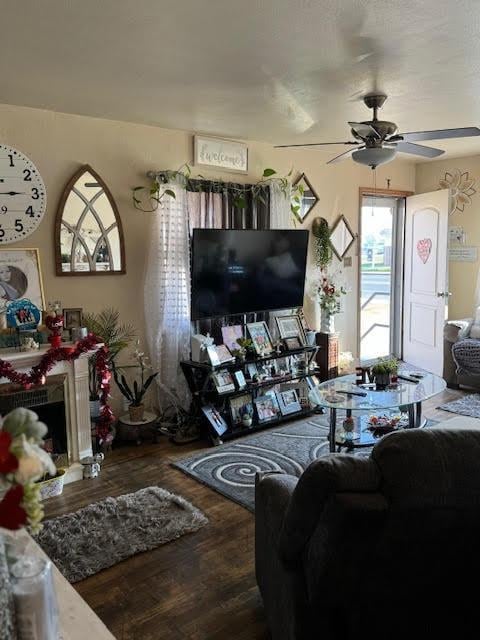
(72, 318)
(21, 277)
(291, 343)
(240, 379)
(223, 381)
(289, 402)
(239, 406)
(223, 353)
(260, 335)
(291, 327)
(212, 355)
(230, 335)
(267, 408)
(252, 369)
(215, 419)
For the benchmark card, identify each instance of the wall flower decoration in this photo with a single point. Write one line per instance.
(461, 186)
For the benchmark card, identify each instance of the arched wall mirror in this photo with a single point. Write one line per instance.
(88, 229)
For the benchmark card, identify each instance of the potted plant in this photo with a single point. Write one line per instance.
(115, 336)
(135, 392)
(246, 348)
(53, 485)
(383, 370)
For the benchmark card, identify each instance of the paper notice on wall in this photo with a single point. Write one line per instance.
(461, 253)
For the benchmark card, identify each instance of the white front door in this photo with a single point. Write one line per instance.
(426, 279)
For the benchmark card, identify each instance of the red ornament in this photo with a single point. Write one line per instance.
(54, 322)
(12, 514)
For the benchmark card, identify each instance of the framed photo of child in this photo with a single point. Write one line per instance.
(261, 338)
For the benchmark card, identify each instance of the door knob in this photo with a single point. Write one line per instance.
(443, 294)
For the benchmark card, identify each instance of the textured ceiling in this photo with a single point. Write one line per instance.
(282, 71)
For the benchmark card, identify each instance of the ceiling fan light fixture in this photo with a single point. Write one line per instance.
(375, 156)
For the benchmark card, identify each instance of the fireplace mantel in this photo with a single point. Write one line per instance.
(77, 406)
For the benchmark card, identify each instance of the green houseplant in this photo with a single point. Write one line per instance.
(135, 391)
(382, 371)
(116, 337)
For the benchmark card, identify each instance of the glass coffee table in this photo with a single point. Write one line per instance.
(343, 394)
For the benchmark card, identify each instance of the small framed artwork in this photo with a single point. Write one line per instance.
(215, 419)
(240, 379)
(261, 338)
(231, 334)
(223, 381)
(267, 407)
(292, 343)
(20, 277)
(213, 355)
(240, 406)
(72, 318)
(228, 155)
(252, 370)
(224, 354)
(291, 327)
(289, 402)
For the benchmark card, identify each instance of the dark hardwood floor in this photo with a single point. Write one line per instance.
(199, 587)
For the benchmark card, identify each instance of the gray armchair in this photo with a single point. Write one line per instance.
(379, 546)
(461, 364)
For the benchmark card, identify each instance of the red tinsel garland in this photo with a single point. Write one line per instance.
(38, 374)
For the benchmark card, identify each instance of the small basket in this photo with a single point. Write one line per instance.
(52, 486)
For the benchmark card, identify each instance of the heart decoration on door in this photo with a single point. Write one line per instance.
(424, 248)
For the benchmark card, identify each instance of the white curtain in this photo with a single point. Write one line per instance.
(167, 297)
(281, 216)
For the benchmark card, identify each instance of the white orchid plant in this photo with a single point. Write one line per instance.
(23, 462)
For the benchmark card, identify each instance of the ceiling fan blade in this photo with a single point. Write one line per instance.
(441, 134)
(312, 144)
(418, 149)
(365, 130)
(343, 156)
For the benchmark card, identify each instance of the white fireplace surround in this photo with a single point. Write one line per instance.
(76, 394)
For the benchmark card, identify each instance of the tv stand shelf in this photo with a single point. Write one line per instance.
(200, 379)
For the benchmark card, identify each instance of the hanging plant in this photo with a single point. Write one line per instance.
(155, 192)
(323, 248)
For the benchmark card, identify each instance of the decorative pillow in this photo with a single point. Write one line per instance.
(475, 328)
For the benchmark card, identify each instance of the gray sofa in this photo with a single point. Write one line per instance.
(462, 368)
(384, 546)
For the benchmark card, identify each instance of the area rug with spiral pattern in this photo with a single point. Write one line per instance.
(230, 468)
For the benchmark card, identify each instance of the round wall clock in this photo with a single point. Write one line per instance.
(23, 196)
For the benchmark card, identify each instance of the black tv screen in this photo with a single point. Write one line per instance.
(235, 272)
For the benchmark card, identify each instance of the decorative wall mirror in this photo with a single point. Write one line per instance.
(309, 197)
(88, 229)
(341, 237)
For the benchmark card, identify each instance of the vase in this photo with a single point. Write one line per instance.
(136, 412)
(327, 321)
(7, 607)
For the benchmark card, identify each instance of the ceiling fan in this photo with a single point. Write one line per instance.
(377, 141)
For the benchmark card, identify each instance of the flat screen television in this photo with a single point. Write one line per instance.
(236, 272)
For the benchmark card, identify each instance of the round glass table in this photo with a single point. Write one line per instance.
(405, 397)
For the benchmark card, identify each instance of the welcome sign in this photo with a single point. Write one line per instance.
(228, 155)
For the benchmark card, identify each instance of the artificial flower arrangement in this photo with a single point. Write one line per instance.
(329, 294)
(22, 463)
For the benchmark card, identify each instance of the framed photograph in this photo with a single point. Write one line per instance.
(267, 408)
(260, 336)
(224, 354)
(252, 370)
(231, 334)
(239, 406)
(240, 379)
(72, 318)
(292, 343)
(213, 355)
(289, 402)
(228, 155)
(20, 277)
(213, 416)
(291, 327)
(223, 381)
